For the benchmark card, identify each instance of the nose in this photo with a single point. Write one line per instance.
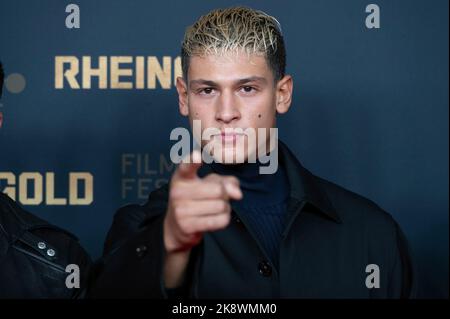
(227, 109)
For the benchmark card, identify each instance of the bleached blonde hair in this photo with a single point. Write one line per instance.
(236, 29)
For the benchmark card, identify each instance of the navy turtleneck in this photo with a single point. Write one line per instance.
(264, 204)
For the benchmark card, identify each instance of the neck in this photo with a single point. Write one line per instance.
(258, 189)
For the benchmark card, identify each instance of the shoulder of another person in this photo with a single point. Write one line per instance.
(38, 238)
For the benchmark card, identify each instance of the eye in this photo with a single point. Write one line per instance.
(248, 89)
(206, 91)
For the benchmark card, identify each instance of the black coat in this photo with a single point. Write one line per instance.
(34, 255)
(332, 235)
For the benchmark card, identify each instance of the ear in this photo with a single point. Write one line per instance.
(284, 94)
(182, 96)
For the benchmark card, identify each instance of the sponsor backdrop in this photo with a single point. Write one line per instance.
(89, 104)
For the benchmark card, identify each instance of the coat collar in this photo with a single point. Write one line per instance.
(304, 186)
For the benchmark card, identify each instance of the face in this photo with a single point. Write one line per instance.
(231, 94)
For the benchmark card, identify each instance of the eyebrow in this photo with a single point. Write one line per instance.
(238, 82)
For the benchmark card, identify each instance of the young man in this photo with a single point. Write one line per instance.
(34, 254)
(224, 230)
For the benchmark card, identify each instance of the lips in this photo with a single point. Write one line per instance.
(229, 136)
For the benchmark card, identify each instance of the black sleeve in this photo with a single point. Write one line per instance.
(83, 260)
(133, 258)
(403, 283)
(135, 268)
(22, 231)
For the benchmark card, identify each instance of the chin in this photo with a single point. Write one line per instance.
(235, 154)
(231, 155)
